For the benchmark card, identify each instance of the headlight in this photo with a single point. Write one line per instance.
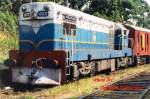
(46, 8)
(24, 9)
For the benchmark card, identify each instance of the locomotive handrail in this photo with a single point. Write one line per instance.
(132, 42)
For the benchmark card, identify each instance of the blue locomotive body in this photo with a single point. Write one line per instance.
(51, 37)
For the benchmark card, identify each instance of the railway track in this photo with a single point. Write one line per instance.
(137, 87)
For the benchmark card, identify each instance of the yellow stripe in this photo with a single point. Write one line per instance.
(28, 41)
(143, 41)
(57, 40)
(75, 41)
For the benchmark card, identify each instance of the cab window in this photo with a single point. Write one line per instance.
(69, 29)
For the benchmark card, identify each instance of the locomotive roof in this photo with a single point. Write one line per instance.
(76, 13)
(120, 25)
(139, 28)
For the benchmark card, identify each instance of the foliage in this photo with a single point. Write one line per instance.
(8, 22)
(7, 42)
(8, 28)
(120, 10)
(115, 10)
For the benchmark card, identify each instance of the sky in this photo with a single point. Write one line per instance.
(148, 1)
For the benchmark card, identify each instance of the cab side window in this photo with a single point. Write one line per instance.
(69, 29)
(66, 29)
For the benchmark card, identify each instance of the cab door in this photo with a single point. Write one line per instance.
(69, 43)
(69, 37)
(73, 39)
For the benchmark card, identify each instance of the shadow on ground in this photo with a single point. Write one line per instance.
(4, 76)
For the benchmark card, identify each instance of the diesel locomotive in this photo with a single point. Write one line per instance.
(58, 44)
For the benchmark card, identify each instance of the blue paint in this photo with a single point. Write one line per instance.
(83, 48)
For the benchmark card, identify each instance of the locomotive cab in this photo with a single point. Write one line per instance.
(121, 37)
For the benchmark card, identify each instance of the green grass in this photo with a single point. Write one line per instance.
(8, 33)
(8, 22)
(28, 97)
(7, 43)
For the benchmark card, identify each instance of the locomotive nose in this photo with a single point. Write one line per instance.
(45, 80)
(38, 77)
(36, 80)
(45, 62)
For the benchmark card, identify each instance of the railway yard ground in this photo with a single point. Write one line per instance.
(135, 87)
(99, 85)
